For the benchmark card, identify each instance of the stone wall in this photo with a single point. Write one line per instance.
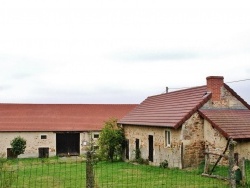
(215, 142)
(161, 152)
(187, 144)
(243, 149)
(33, 142)
(227, 101)
(193, 143)
(86, 139)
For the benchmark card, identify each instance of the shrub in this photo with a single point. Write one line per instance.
(18, 145)
(164, 164)
(111, 141)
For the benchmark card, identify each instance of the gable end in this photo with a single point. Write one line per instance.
(237, 96)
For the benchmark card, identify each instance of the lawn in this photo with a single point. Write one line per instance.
(120, 174)
(52, 172)
(65, 172)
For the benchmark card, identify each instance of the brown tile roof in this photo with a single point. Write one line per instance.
(231, 123)
(169, 109)
(59, 117)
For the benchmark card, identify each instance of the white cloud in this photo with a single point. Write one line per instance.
(118, 51)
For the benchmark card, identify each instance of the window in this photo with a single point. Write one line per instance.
(167, 138)
(96, 135)
(43, 136)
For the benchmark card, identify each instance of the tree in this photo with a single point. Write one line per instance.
(111, 140)
(18, 145)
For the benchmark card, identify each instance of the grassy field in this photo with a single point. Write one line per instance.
(71, 172)
(122, 174)
(52, 172)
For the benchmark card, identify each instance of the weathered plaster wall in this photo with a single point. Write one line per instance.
(193, 142)
(243, 149)
(190, 135)
(227, 101)
(86, 139)
(214, 141)
(161, 153)
(33, 142)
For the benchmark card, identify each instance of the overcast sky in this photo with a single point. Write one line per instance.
(116, 51)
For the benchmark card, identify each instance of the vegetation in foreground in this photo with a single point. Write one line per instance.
(71, 172)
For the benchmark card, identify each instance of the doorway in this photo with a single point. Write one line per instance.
(150, 148)
(67, 144)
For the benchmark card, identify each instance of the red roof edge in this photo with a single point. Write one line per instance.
(237, 96)
(196, 108)
(214, 125)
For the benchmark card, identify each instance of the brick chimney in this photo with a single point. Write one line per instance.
(214, 84)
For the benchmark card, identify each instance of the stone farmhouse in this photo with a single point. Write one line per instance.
(177, 126)
(55, 129)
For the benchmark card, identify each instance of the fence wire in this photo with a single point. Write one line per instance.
(71, 173)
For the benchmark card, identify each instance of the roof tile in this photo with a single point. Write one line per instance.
(231, 123)
(59, 117)
(168, 109)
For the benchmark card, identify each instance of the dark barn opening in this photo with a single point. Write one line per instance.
(67, 144)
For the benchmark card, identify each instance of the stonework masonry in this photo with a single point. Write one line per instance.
(161, 152)
(227, 101)
(193, 141)
(33, 142)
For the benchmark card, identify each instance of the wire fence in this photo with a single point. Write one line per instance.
(72, 172)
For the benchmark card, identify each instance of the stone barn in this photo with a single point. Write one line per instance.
(55, 129)
(177, 126)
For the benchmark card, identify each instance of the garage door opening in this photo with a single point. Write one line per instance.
(67, 144)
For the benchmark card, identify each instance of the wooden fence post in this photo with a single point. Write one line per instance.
(207, 161)
(243, 170)
(90, 179)
(231, 164)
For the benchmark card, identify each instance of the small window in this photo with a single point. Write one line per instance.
(167, 138)
(43, 136)
(96, 135)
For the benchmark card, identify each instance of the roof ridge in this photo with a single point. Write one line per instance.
(177, 91)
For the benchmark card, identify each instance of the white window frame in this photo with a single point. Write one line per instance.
(167, 138)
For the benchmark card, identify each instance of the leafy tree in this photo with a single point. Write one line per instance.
(111, 140)
(18, 145)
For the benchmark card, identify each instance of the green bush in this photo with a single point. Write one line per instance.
(164, 164)
(18, 145)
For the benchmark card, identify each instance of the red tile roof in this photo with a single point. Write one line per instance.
(231, 123)
(59, 117)
(168, 109)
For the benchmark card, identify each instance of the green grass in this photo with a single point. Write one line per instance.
(68, 172)
(43, 173)
(120, 174)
